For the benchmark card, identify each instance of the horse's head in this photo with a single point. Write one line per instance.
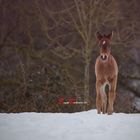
(104, 43)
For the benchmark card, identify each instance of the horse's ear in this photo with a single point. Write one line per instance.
(109, 36)
(99, 36)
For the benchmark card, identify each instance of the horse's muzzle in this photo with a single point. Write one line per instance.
(104, 56)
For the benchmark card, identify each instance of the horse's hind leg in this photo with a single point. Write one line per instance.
(112, 95)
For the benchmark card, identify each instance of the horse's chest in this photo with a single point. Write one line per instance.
(104, 69)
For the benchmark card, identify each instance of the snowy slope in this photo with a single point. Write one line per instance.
(63, 126)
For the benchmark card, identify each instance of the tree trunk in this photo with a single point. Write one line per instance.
(86, 83)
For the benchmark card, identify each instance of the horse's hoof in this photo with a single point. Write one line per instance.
(109, 113)
(98, 112)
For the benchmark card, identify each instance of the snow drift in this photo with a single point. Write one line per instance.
(65, 126)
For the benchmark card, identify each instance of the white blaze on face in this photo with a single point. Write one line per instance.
(104, 42)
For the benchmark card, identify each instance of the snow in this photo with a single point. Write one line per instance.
(86, 125)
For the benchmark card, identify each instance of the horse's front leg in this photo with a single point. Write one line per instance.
(101, 99)
(112, 95)
(98, 97)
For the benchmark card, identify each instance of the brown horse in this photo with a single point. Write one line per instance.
(106, 71)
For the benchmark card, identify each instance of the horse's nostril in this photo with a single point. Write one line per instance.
(103, 57)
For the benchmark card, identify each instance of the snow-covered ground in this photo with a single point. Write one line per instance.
(64, 126)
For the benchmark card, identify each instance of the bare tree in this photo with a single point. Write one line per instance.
(85, 18)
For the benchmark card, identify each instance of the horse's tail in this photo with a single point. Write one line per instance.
(104, 97)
